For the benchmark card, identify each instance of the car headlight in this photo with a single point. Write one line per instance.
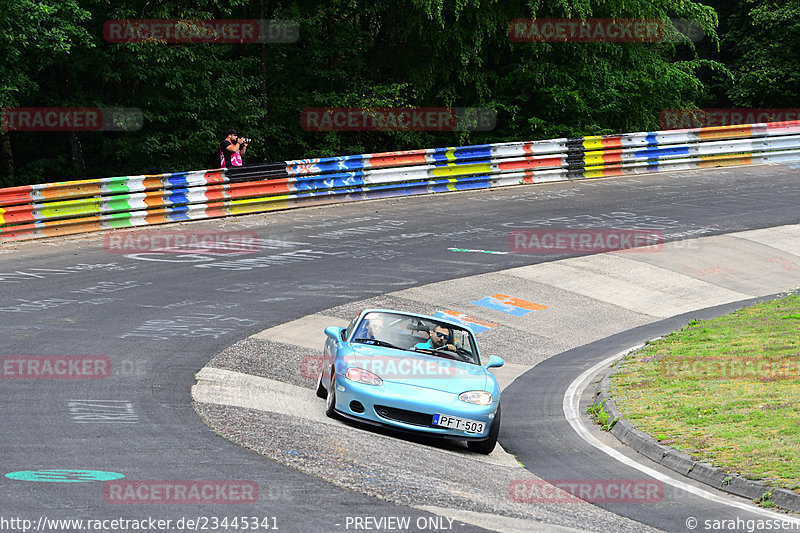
(362, 376)
(477, 397)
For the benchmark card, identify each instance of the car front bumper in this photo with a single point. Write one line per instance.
(409, 408)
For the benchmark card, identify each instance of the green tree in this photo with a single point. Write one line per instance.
(763, 41)
(35, 35)
(351, 53)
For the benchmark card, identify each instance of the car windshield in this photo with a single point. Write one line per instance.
(423, 335)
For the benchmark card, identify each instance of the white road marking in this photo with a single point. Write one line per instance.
(308, 332)
(629, 282)
(571, 407)
(235, 389)
(102, 411)
(494, 522)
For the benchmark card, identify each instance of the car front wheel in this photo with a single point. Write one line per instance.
(321, 392)
(486, 445)
(330, 402)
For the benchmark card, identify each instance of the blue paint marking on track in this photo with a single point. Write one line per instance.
(493, 303)
(476, 328)
(64, 476)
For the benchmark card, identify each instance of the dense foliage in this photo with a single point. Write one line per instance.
(368, 53)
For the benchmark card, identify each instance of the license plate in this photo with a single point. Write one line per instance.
(454, 422)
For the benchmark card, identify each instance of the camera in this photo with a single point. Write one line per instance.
(245, 140)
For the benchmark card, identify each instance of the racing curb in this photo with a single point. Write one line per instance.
(683, 463)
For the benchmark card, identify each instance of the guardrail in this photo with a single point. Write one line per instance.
(37, 211)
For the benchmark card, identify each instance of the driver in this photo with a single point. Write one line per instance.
(438, 337)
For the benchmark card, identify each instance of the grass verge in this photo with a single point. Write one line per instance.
(725, 391)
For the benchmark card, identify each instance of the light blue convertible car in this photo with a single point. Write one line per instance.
(413, 373)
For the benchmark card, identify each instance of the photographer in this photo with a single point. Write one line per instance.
(231, 150)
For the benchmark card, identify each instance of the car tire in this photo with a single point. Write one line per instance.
(321, 392)
(486, 446)
(330, 401)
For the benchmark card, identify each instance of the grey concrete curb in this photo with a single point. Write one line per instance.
(682, 462)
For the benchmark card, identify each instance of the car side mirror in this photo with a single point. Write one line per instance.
(494, 362)
(335, 333)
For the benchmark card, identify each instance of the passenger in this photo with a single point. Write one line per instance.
(371, 328)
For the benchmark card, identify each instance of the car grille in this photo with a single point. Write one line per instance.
(407, 417)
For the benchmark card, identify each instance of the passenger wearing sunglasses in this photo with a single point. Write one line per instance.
(439, 337)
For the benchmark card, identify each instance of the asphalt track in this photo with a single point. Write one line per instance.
(159, 319)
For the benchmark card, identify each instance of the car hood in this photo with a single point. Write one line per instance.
(418, 369)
